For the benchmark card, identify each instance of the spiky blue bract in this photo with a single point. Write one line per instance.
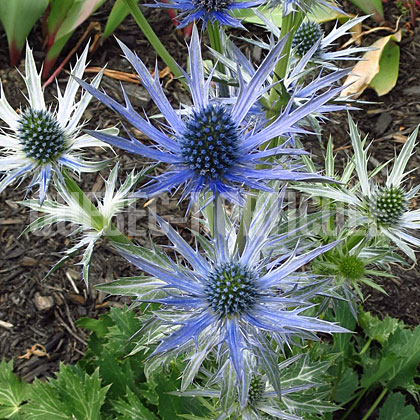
(208, 10)
(215, 146)
(227, 302)
(41, 140)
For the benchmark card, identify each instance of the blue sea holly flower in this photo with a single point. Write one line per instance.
(232, 303)
(214, 146)
(208, 10)
(40, 140)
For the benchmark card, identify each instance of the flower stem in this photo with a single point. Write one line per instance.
(365, 347)
(375, 404)
(278, 93)
(145, 27)
(213, 30)
(218, 222)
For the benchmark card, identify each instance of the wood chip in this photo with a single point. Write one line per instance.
(5, 324)
(43, 303)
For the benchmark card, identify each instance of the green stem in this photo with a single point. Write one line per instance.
(289, 26)
(160, 49)
(213, 30)
(218, 222)
(245, 223)
(375, 404)
(337, 380)
(354, 404)
(365, 347)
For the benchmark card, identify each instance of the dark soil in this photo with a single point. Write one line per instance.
(35, 311)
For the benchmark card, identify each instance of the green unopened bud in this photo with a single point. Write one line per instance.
(305, 38)
(351, 267)
(388, 206)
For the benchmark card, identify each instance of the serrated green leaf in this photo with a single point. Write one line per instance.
(13, 391)
(394, 408)
(99, 326)
(376, 329)
(45, 403)
(347, 385)
(82, 392)
(73, 395)
(374, 370)
(171, 407)
(406, 345)
(120, 376)
(131, 408)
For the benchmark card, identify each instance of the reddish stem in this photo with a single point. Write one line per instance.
(14, 53)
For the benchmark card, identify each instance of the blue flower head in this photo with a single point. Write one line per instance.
(230, 303)
(215, 146)
(208, 10)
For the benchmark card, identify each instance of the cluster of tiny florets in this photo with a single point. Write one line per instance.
(40, 135)
(231, 289)
(256, 390)
(305, 38)
(209, 145)
(388, 206)
(351, 267)
(212, 5)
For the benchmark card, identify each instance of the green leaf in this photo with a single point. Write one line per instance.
(389, 64)
(347, 385)
(73, 395)
(13, 391)
(45, 403)
(118, 13)
(394, 408)
(346, 319)
(18, 17)
(99, 326)
(376, 329)
(371, 7)
(72, 17)
(131, 408)
(374, 370)
(406, 345)
(171, 407)
(119, 375)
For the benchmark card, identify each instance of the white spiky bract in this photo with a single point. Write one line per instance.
(42, 139)
(93, 223)
(383, 211)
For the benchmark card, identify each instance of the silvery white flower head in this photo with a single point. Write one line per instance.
(310, 34)
(383, 211)
(41, 139)
(79, 212)
(222, 302)
(312, 46)
(300, 380)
